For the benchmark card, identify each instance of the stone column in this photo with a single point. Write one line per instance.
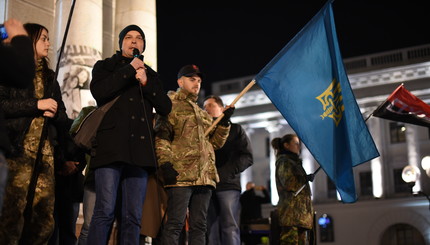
(246, 175)
(109, 46)
(412, 142)
(40, 12)
(374, 125)
(83, 48)
(143, 14)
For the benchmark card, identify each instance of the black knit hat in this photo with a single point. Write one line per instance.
(131, 28)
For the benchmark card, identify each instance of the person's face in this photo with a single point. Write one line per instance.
(190, 84)
(83, 75)
(293, 145)
(213, 108)
(74, 82)
(42, 45)
(132, 40)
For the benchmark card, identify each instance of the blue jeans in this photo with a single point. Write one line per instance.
(225, 229)
(196, 199)
(132, 180)
(88, 209)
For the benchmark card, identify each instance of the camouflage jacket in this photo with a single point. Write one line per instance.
(180, 139)
(290, 177)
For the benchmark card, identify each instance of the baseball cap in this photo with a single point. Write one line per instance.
(189, 71)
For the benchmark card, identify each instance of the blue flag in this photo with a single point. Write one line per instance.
(307, 83)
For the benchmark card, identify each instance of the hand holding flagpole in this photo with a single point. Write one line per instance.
(301, 188)
(231, 105)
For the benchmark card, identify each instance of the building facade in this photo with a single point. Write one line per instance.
(386, 211)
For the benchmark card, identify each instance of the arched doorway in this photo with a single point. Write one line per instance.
(402, 234)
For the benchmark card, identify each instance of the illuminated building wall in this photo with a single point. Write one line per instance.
(385, 201)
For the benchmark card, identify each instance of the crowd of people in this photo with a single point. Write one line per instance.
(146, 132)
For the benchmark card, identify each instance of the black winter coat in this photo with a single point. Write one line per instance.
(20, 108)
(126, 132)
(17, 70)
(233, 158)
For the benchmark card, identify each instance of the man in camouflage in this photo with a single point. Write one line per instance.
(187, 159)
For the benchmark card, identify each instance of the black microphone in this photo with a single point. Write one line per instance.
(136, 54)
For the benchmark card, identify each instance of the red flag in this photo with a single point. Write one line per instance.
(403, 106)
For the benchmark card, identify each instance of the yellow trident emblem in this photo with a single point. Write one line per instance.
(332, 102)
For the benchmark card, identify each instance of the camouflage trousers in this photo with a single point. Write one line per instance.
(12, 220)
(292, 235)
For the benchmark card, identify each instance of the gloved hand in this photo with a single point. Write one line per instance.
(169, 173)
(310, 177)
(226, 119)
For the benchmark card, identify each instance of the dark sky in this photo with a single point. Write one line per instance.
(229, 39)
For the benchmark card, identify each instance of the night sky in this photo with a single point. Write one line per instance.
(229, 39)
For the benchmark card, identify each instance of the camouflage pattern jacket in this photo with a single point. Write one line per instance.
(180, 139)
(290, 177)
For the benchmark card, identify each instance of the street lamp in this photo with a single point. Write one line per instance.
(410, 174)
(425, 163)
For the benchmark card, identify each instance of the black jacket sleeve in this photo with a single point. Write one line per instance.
(245, 151)
(17, 62)
(154, 92)
(14, 107)
(239, 152)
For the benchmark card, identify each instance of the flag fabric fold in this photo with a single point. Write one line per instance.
(307, 83)
(403, 106)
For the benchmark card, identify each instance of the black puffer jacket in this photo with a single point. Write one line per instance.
(20, 107)
(233, 158)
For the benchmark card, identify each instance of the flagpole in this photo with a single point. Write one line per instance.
(371, 114)
(301, 188)
(248, 87)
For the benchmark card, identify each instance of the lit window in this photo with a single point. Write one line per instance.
(397, 132)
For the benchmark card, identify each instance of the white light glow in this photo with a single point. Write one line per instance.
(425, 163)
(410, 174)
(377, 177)
(261, 117)
(274, 193)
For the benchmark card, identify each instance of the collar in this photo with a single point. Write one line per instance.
(39, 65)
(120, 57)
(290, 154)
(184, 94)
